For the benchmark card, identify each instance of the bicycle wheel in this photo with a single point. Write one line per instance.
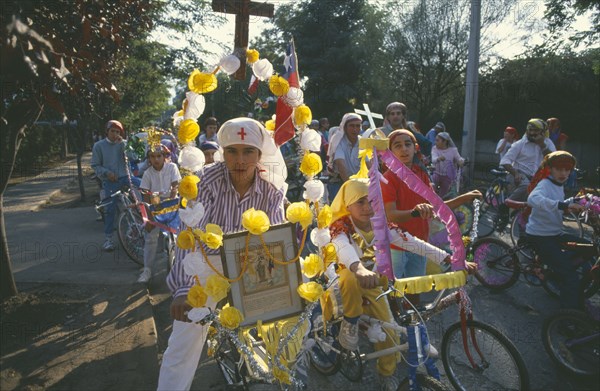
(131, 235)
(170, 244)
(425, 383)
(517, 230)
(231, 364)
(498, 266)
(489, 211)
(351, 365)
(572, 340)
(589, 283)
(499, 366)
(464, 215)
(322, 357)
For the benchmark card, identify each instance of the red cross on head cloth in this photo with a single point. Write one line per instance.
(247, 131)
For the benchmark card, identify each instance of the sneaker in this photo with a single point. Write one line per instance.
(389, 383)
(108, 245)
(348, 336)
(145, 276)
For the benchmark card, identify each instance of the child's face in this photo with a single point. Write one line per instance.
(241, 160)
(114, 135)
(209, 156)
(441, 143)
(361, 211)
(403, 148)
(210, 130)
(560, 174)
(157, 160)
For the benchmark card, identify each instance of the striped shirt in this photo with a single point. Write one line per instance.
(224, 207)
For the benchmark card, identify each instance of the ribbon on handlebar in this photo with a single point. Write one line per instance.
(167, 218)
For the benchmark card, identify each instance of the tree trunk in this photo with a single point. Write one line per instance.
(80, 142)
(15, 123)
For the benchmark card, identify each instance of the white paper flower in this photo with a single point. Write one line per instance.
(191, 158)
(314, 190)
(230, 64)
(262, 69)
(192, 213)
(320, 236)
(177, 118)
(310, 140)
(375, 333)
(294, 97)
(194, 265)
(198, 313)
(195, 105)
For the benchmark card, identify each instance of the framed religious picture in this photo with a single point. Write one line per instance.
(267, 289)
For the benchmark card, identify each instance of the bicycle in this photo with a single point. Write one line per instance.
(572, 340)
(473, 353)
(494, 197)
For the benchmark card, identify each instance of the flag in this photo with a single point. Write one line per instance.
(284, 128)
(253, 86)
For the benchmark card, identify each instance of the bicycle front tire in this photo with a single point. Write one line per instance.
(500, 365)
(425, 383)
(131, 235)
(498, 268)
(560, 329)
(231, 364)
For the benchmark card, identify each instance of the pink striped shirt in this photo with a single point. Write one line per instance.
(224, 207)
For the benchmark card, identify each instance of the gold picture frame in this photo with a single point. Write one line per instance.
(268, 290)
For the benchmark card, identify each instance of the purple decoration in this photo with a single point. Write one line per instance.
(381, 231)
(439, 207)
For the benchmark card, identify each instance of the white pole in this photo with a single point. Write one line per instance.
(471, 95)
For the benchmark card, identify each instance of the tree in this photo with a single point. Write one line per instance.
(561, 14)
(55, 52)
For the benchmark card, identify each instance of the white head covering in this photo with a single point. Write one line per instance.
(446, 136)
(336, 137)
(247, 131)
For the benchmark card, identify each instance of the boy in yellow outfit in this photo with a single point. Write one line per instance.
(353, 235)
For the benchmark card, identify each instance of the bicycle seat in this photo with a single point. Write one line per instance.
(515, 204)
(499, 172)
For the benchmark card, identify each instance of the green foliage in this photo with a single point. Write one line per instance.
(561, 14)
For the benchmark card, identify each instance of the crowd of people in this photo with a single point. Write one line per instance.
(239, 157)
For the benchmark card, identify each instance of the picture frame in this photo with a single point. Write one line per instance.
(267, 291)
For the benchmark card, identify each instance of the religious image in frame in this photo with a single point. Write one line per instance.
(267, 289)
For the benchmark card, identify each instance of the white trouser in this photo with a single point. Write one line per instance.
(150, 244)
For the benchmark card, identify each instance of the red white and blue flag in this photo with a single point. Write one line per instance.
(284, 128)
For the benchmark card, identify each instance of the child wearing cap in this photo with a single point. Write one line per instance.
(446, 159)
(210, 150)
(510, 136)
(544, 227)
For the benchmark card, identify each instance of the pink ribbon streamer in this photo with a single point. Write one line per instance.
(443, 212)
(381, 231)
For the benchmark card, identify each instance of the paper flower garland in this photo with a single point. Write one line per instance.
(188, 187)
(312, 265)
(278, 85)
(311, 164)
(251, 56)
(196, 296)
(230, 317)
(255, 221)
(230, 64)
(299, 212)
(188, 131)
(202, 83)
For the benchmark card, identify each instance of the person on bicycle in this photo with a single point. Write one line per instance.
(544, 227)
(523, 158)
(252, 175)
(446, 160)
(161, 177)
(510, 136)
(108, 162)
(352, 234)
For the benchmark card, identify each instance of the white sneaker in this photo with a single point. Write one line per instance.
(108, 245)
(348, 336)
(389, 383)
(145, 276)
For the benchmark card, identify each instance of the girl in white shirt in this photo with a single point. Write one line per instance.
(510, 136)
(446, 159)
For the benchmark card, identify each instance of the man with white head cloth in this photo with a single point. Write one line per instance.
(343, 152)
(251, 175)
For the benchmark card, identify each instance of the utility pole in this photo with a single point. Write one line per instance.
(471, 95)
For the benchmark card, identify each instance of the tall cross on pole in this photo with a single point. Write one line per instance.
(367, 113)
(242, 10)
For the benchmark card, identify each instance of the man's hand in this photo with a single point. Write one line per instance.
(425, 211)
(471, 267)
(111, 177)
(180, 308)
(366, 278)
(575, 208)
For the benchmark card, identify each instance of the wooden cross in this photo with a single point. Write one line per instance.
(366, 112)
(242, 10)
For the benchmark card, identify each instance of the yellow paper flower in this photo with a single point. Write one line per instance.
(324, 217)
(302, 115)
(185, 240)
(196, 296)
(466, 241)
(252, 56)
(299, 212)
(255, 221)
(217, 287)
(213, 237)
(312, 266)
(310, 291)
(311, 164)
(188, 187)
(201, 83)
(282, 376)
(278, 85)
(329, 254)
(230, 317)
(188, 131)
(270, 125)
